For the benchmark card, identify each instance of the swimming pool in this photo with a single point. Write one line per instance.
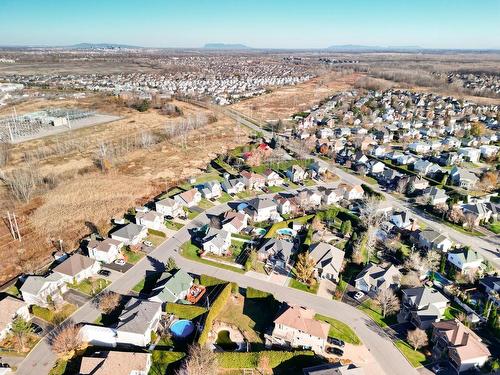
(260, 231)
(441, 279)
(286, 231)
(182, 328)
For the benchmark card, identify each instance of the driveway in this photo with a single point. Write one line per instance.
(326, 288)
(76, 297)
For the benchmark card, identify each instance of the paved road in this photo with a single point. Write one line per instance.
(486, 246)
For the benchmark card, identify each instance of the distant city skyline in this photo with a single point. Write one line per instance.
(289, 24)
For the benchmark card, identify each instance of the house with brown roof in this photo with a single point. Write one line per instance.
(77, 268)
(234, 222)
(10, 309)
(116, 362)
(106, 251)
(253, 180)
(463, 348)
(296, 327)
(188, 198)
(272, 178)
(150, 219)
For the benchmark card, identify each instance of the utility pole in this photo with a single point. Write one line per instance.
(17, 227)
(11, 226)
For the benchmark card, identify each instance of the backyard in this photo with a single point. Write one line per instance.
(191, 251)
(131, 256)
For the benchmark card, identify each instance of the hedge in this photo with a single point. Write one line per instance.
(184, 311)
(256, 293)
(158, 233)
(252, 359)
(215, 310)
(210, 280)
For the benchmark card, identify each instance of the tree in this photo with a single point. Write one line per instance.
(411, 280)
(304, 269)
(431, 261)
(417, 338)
(21, 330)
(371, 217)
(455, 215)
(477, 129)
(470, 222)
(200, 361)
(65, 340)
(170, 265)
(346, 227)
(388, 301)
(108, 301)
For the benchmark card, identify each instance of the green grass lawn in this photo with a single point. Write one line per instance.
(13, 291)
(461, 229)
(309, 182)
(245, 194)
(291, 184)
(452, 311)
(212, 176)
(139, 286)
(190, 251)
(184, 311)
(369, 308)
(190, 214)
(155, 240)
(242, 236)
(90, 286)
(275, 189)
(284, 224)
(340, 330)
(294, 283)
(494, 227)
(51, 315)
(225, 197)
(205, 204)
(162, 359)
(132, 257)
(416, 358)
(173, 225)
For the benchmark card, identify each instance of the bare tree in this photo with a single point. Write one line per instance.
(431, 261)
(304, 268)
(22, 182)
(470, 221)
(146, 140)
(109, 301)
(417, 338)
(4, 152)
(200, 361)
(66, 339)
(388, 301)
(371, 218)
(411, 280)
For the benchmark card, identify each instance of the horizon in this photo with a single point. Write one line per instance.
(293, 24)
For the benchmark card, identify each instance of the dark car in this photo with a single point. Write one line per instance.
(36, 329)
(336, 351)
(104, 272)
(336, 342)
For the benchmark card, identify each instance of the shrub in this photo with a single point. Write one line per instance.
(215, 310)
(252, 359)
(158, 233)
(210, 281)
(185, 311)
(256, 293)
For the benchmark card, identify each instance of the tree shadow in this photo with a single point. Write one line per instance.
(261, 311)
(297, 363)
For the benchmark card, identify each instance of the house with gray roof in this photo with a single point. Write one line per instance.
(172, 288)
(216, 241)
(422, 306)
(431, 240)
(466, 260)
(136, 322)
(463, 178)
(130, 234)
(374, 278)
(261, 209)
(233, 185)
(39, 290)
(435, 195)
(328, 260)
(276, 252)
(77, 268)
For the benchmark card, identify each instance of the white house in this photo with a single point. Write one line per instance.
(470, 154)
(10, 309)
(261, 209)
(273, 178)
(419, 147)
(150, 219)
(284, 205)
(188, 198)
(116, 362)
(38, 290)
(168, 207)
(77, 268)
(352, 192)
(466, 260)
(130, 234)
(374, 278)
(211, 190)
(106, 251)
(216, 241)
(330, 196)
(328, 260)
(488, 151)
(252, 180)
(234, 222)
(138, 319)
(233, 185)
(296, 173)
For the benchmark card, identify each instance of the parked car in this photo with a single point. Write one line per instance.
(120, 262)
(105, 273)
(437, 368)
(358, 296)
(148, 243)
(334, 350)
(36, 329)
(336, 342)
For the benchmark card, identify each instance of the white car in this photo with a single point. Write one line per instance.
(120, 262)
(358, 296)
(148, 243)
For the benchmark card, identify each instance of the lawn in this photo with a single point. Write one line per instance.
(304, 287)
(173, 225)
(13, 291)
(139, 286)
(463, 230)
(162, 359)
(275, 189)
(225, 197)
(132, 257)
(205, 204)
(184, 311)
(245, 194)
(494, 227)
(284, 224)
(190, 251)
(190, 214)
(90, 286)
(416, 358)
(309, 182)
(340, 330)
(51, 315)
(147, 284)
(452, 311)
(374, 312)
(155, 239)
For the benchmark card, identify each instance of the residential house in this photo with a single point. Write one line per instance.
(318, 168)
(463, 348)
(253, 180)
(376, 167)
(328, 260)
(261, 209)
(466, 261)
(169, 207)
(130, 234)
(419, 147)
(491, 286)
(39, 290)
(470, 154)
(479, 211)
(188, 198)
(296, 173)
(151, 220)
(10, 309)
(138, 319)
(488, 151)
(77, 268)
(431, 240)
(308, 197)
(234, 222)
(329, 196)
(272, 178)
(106, 251)
(276, 253)
(463, 178)
(172, 288)
(233, 185)
(402, 220)
(405, 159)
(425, 167)
(422, 306)
(210, 190)
(417, 183)
(435, 195)
(374, 278)
(352, 192)
(284, 204)
(116, 362)
(216, 241)
(389, 176)
(296, 327)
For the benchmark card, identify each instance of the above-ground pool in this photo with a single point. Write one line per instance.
(182, 328)
(286, 231)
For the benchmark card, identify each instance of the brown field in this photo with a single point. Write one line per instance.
(84, 197)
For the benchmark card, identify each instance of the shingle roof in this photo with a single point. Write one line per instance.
(115, 363)
(74, 265)
(137, 315)
(303, 320)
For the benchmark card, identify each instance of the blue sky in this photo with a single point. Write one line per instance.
(256, 23)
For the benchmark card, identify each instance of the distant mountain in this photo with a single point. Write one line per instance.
(225, 46)
(358, 48)
(101, 45)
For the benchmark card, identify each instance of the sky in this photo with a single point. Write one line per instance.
(256, 23)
